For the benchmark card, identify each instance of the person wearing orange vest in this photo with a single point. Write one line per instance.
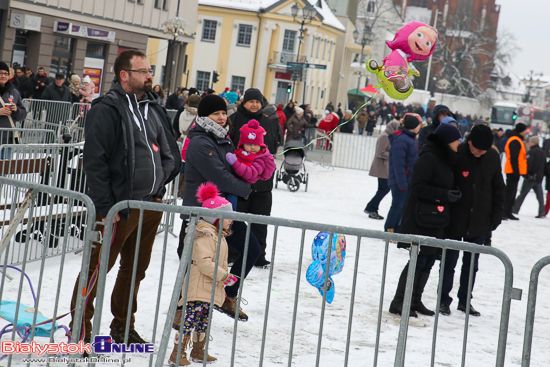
(515, 166)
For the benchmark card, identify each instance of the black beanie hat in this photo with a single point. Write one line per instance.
(520, 127)
(253, 93)
(210, 104)
(411, 121)
(481, 137)
(448, 133)
(4, 66)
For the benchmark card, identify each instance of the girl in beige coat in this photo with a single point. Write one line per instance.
(201, 277)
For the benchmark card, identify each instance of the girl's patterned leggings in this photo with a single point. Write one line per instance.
(196, 317)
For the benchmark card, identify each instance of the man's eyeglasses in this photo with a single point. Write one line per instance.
(4, 74)
(144, 72)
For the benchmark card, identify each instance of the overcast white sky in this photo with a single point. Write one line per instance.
(528, 21)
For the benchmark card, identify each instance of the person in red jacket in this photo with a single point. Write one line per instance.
(282, 119)
(329, 123)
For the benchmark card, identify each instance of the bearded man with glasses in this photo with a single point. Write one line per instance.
(129, 154)
(11, 110)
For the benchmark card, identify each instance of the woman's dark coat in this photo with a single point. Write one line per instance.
(432, 179)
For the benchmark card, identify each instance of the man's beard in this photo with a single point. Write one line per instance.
(147, 87)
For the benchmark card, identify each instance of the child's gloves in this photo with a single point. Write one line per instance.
(229, 279)
(231, 158)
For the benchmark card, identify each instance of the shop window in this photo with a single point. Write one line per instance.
(203, 80)
(245, 35)
(209, 30)
(62, 56)
(96, 50)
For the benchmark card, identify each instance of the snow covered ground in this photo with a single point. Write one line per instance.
(338, 196)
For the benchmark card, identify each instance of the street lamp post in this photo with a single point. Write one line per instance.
(308, 12)
(362, 39)
(176, 27)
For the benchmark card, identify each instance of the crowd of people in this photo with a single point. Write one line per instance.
(61, 88)
(443, 172)
(447, 182)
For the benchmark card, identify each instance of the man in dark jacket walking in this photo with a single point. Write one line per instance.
(130, 154)
(260, 199)
(478, 177)
(535, 173)
(439, 112)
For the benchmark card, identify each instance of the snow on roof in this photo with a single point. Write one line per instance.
(324, 10)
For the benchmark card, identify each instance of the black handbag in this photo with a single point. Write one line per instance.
(432, 215)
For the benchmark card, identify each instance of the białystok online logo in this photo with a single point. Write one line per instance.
(102, 344)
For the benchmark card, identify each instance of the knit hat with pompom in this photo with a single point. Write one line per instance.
(210, 198)
(252, 133)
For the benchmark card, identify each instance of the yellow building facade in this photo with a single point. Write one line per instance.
(251, 45)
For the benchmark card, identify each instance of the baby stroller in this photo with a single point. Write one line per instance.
(292, 171)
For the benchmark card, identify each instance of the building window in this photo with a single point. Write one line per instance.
(420, 3)
(370, 6)
(203, 80)
(324, 49)
(289, 40)
(160, 3)
(330, 52)
(245, 35)
(140, 2)
(237, 83)
(209, 30)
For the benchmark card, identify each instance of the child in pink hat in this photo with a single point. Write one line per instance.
(252, 161)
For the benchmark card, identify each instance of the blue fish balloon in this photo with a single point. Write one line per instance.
(315, 274)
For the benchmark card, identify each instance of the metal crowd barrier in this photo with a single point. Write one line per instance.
(29, 136)
(37, 289)
(530, 317)
(353, 150)
(55, 165)
(295, 315)
(78, 113)
(47, 111)
(58, 129)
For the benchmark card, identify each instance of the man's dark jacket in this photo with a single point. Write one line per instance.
(109, 154)
(535, 163)
(271, 140)
(480, 181)
(54, 93)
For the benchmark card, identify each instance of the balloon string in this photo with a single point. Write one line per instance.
(333, 130)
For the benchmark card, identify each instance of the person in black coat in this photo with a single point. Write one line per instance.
(535, 174)
(479, 178)
(432, 187)
(288, 110)
(260, 199)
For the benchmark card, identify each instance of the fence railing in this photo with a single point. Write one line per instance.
(34, 295)
(292, 309)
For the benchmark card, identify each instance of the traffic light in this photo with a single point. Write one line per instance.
(514, 116)
(289, 89)
(215, 76)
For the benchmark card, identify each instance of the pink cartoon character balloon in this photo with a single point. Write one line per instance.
(415, 41)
